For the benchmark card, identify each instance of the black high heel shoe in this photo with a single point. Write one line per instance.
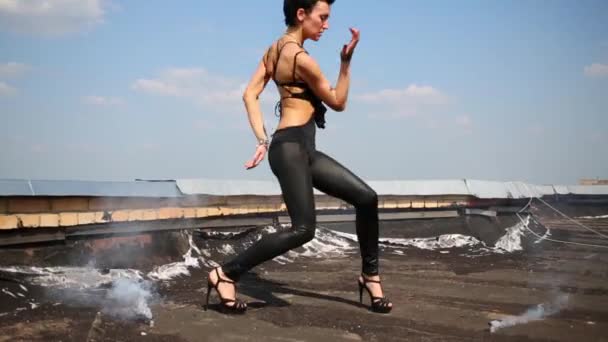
(378, 304)
(238, 307)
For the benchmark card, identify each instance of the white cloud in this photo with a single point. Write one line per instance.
(6, 90)
(410, 101)
(426, 94)
(461, 124)
(149, 146)
(197, 85)
(12, 69)
(465, 123)
(39, 148)
(463, 120)
(157, 87)
(47, 17)
(82, 147)
(596, 70)
(536, 129)
(204, 125)
(599, 137)
(102, 101)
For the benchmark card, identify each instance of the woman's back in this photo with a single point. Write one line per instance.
(281, 62)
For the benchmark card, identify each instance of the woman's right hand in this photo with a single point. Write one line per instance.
(348, 49)
(258, 156)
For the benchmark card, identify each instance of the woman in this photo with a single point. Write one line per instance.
(293, 157)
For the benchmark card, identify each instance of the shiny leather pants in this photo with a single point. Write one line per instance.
(299, 168)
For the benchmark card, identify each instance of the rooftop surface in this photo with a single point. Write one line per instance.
(449, 280)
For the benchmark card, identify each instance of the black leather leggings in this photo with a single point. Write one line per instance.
(299, 167)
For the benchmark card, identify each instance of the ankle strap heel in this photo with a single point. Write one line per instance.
(378, 304)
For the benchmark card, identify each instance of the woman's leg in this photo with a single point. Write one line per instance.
(334, 179)
(289, 161)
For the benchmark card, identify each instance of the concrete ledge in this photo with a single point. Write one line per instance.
(54, 212)
(120, 216)
(74, 215)
(164, 225)
(68, 219)
(382, 216)
(28, 220)
(487, 213)
(87, 218)
(28, 205)
(20, 237)
(49, 220)
(69, 204)
(9, 222)
(3, 206)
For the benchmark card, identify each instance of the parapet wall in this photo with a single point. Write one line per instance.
(57, 204)
(53, 212)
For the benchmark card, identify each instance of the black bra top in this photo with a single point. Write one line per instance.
(306, 94)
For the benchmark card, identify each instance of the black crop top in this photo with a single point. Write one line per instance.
(306, 94)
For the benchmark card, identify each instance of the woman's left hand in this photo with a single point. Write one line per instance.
(348, 49)
(258, 156)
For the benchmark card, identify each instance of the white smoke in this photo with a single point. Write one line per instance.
(77, 278)
(539, 312)
(128, 299)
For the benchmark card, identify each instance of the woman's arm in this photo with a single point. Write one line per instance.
(252, 103)
(251, 97)
(309, 70)
(335, 98)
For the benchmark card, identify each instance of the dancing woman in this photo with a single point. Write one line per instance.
(293, 156)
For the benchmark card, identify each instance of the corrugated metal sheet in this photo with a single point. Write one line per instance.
(561, 189)
(420, 187)
(544, 190)
(227, 187)
(10, 187)
(88, 188)
(243, 187)
(521, 190)
(487, 189)
(490, 189)
(478, 188)
(581, 189)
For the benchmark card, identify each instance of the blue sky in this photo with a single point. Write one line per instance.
(118, 90)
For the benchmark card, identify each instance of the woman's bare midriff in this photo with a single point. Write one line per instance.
(296, 112)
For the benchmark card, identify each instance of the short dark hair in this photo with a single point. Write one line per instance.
(290, 8)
